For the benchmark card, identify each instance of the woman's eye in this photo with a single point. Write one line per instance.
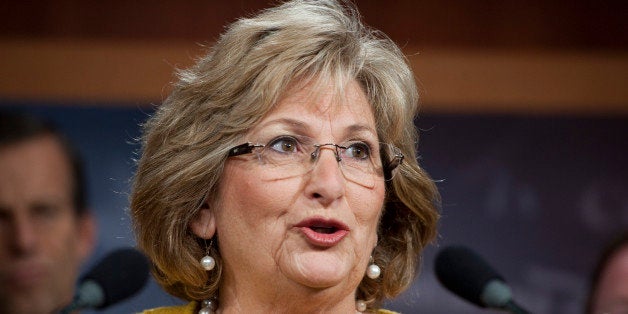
(284, 145)
(358, 150)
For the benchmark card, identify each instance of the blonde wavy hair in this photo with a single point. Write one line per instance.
(242, 77)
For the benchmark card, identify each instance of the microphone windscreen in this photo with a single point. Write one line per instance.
(120, 274)
(464, 273)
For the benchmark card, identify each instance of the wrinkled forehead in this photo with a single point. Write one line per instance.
(321, 110)
(326, 97)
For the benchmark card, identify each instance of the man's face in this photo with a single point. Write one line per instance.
(611, 295)
(42, 240)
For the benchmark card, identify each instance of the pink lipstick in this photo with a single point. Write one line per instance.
(323, 232)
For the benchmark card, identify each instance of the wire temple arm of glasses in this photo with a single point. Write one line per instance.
(394, 162)
(243, 149)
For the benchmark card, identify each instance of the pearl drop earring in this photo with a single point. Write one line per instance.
(208, 306)
(207, 262)
(373, 271)
(360, 305)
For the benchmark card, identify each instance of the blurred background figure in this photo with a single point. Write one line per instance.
(46, 230)
(525, 112)
(609, 284)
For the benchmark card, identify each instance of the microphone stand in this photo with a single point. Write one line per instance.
(515, 308)
(74, 306)
(89, 294)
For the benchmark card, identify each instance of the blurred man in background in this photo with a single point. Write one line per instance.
(46, 231)
(609, 284)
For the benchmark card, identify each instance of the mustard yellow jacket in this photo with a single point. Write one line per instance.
(191, 308)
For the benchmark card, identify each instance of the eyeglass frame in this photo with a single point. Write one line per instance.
(387, 165)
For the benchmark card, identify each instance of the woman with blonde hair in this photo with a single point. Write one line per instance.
(280, 175)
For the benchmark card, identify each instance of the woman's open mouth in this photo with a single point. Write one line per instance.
(323, 232)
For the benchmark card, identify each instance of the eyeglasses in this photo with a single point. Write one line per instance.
(286, 157)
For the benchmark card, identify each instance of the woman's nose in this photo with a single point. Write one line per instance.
(326, 181)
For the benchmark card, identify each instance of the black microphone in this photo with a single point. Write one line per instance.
(467, 275)
(118, 276)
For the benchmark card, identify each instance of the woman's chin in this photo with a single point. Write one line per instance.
(320, 270)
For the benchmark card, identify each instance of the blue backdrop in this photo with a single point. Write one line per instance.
(537, 196)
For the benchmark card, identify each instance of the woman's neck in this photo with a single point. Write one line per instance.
(273, 299)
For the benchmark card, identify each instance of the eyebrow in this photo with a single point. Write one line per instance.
(293, 123)
(300, 126)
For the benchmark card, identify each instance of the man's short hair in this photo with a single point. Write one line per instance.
(17, 127)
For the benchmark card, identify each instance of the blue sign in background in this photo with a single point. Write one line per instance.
(537, 196)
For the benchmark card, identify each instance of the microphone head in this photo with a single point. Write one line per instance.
(467, 275)
(120, 274)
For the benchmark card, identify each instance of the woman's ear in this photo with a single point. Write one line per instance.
(203, 225)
